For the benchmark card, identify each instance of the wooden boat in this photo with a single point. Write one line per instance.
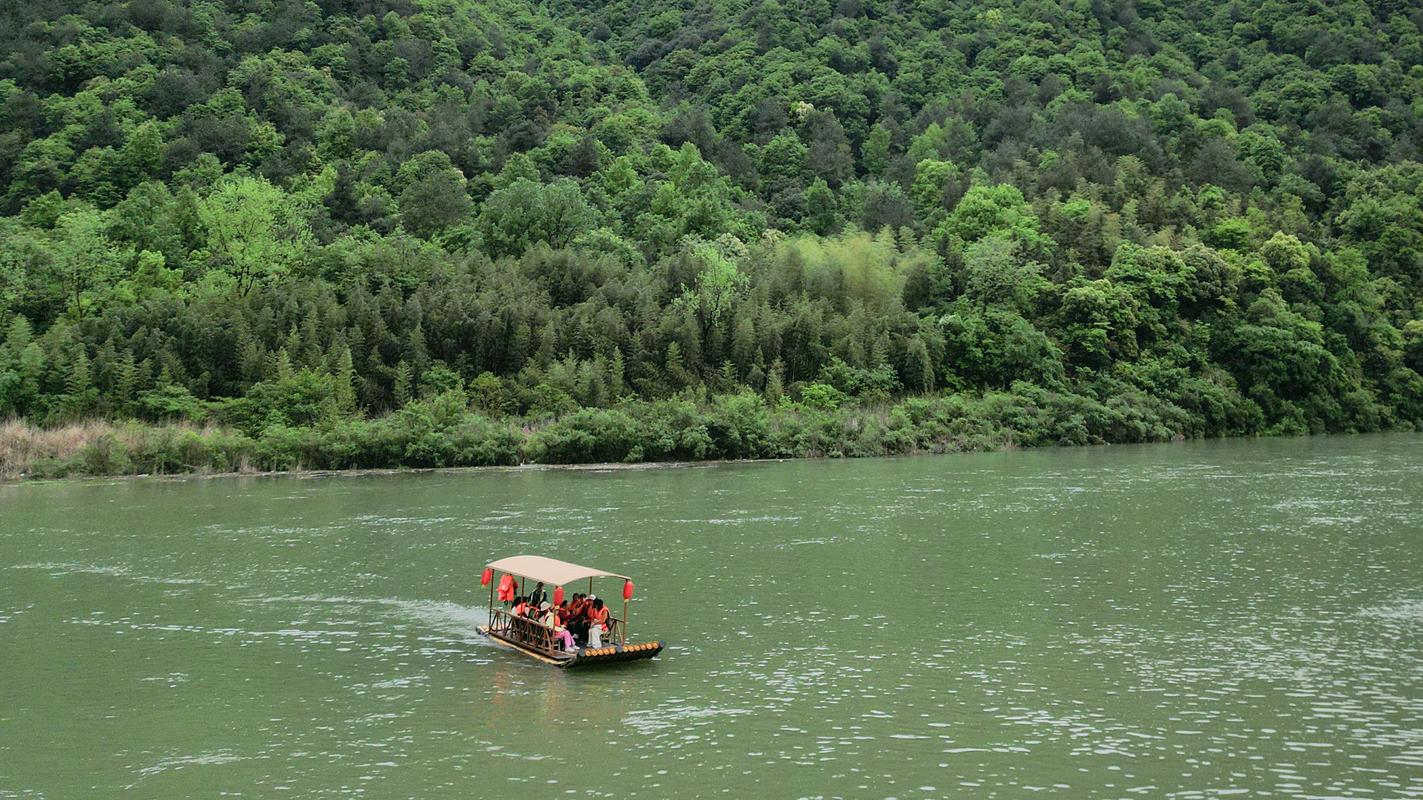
(537, 640)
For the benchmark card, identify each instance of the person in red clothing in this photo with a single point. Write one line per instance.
(577, 617)
(588, 600)
(597, 623)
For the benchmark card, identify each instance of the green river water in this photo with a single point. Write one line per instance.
(1193, 620)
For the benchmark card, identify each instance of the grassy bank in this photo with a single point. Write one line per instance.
(443, 432)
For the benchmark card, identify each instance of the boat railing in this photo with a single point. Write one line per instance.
(539, 636)
(524, 630)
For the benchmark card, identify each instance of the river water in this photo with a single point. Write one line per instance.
(1190, 620)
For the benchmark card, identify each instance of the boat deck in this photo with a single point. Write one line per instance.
(585, 656)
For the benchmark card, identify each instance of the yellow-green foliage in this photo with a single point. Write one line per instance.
(854, 268)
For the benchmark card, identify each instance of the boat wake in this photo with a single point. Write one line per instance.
(459, 621)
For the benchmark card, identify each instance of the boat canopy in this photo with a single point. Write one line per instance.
(550, 571)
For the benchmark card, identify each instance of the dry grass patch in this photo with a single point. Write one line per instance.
(23, 445)
(99, 447)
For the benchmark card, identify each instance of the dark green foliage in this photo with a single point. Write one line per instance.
(385, 233)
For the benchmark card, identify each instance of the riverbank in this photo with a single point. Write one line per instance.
(443, 432)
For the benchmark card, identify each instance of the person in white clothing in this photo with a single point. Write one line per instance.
(597, 623)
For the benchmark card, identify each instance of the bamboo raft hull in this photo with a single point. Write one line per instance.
(583, 657)
(615, 654)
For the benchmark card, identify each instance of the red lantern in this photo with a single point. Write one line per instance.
(627, 590)
(558, 596)
(487, 576)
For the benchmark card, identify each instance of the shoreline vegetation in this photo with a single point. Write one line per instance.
(443, 432)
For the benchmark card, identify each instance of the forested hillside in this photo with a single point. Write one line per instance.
(433, 232)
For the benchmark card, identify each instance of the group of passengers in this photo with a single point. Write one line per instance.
(580, 621)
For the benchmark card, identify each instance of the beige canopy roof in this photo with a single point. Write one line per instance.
(549, 570)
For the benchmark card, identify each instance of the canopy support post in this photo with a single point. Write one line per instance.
(623, 634)
(491, 602)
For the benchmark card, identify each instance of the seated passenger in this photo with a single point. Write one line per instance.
(550, 620)
(597, 623)
(577, 618)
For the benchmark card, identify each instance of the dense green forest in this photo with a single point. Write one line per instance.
(340, 233)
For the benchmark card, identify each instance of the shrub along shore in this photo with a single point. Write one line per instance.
(443, 431)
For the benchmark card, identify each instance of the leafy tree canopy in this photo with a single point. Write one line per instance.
(288, 214)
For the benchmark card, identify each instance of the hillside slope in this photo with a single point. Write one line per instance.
(629, 230)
